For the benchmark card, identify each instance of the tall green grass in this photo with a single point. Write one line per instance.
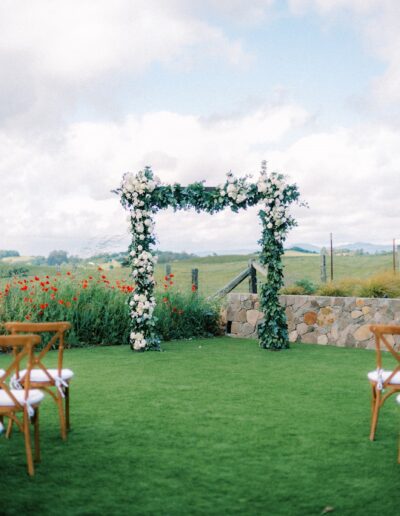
(384, 284)
(98, 309)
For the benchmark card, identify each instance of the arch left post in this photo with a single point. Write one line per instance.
(136, 196)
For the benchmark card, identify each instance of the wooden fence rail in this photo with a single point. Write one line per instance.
(250, 272)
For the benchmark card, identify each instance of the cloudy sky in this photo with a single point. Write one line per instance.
(90, 89)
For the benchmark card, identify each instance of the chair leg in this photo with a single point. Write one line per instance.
(66, 391)
(398, 453)
(62, 416)
(36, 434)
(375, 412)
(28, 448)
(9, 428)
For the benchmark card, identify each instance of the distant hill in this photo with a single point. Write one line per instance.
(310, 248)
(366, 247)
(227, 252)
(300, 250)
(17, 259)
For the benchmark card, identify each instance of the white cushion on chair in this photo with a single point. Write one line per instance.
(373, 376)
(35, 396)
(398, 399)
(38, 375)
(1, 372)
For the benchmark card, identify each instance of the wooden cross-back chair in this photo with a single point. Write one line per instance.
(398, 453)
(24, 401)
(53, 381)
(384, 383)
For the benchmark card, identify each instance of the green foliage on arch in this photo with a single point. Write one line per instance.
(143, 195)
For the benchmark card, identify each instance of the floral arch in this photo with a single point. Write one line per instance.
(143, 195)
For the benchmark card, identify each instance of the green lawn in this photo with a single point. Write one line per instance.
(213, 426)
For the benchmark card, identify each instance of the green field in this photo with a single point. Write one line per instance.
(217, 271)
(211, 427)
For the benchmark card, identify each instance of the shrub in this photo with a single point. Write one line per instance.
(184, 315)
(293, 290)
(384, 284)
(342, 288)
(98, 308)
(307, 285)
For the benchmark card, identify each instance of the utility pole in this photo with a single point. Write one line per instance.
(394, 255)
(331, 257)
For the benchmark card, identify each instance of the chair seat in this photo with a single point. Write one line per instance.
(38, 375)
(35, 396)
(373, 377)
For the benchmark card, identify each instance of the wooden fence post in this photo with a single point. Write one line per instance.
(195, 280)
(167, 269)
(323, 265)
(252, 278)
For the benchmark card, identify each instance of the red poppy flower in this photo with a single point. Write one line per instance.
(74, 298)
(61, 301)
(194, 288)
(24, 287)
(54, 289)
(27, 317)
(37, 278)
(44, 306)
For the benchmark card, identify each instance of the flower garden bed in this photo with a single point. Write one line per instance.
(97, 307)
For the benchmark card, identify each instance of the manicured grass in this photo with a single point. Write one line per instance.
(213, 426)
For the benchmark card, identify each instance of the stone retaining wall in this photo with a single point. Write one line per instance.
(340, 321)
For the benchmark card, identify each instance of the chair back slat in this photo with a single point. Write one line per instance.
(380, 332)
(58, 328)
(22, 347)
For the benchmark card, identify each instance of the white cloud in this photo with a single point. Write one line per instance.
(61, 191)
(350, 179)
(60, 196)
(79, 40)
(56, 175)
(379, 22)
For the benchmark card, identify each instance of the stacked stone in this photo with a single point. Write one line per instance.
(340, 321)
(243, 312)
